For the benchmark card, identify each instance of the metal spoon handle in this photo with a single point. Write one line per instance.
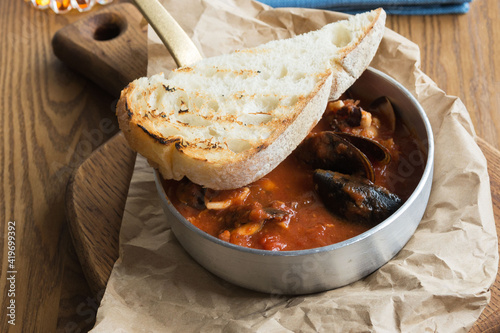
(178, 43)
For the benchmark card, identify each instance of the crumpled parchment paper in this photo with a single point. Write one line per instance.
(438, 282)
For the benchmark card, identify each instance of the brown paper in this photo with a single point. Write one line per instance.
(438, 282)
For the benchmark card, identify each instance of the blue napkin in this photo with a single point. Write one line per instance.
(395, 7)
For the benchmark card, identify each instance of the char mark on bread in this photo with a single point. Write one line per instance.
(160, 139)
(129, 113)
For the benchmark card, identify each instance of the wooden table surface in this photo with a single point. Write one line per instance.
(52, 119)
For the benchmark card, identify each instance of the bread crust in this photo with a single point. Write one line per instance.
(357, 58)
(175, 158)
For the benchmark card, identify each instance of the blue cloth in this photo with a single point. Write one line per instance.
(395, 7)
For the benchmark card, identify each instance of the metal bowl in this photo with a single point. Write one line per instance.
(329, 267)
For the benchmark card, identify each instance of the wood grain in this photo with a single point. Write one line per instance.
(78, 304)
(489, 321)
(460, 53)
(112, 62)
(48, 112)
(103, 180)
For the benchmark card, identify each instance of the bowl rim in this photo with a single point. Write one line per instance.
(295, 253)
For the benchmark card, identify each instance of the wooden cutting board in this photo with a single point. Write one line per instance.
(109, 47)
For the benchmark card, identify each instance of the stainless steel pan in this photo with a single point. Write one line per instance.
(314, 270)
(319, 269)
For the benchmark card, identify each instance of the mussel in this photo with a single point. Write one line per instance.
(369, 147)
(355, 198)
(344, 176)
(327, 150)
(382, 108)
(248, 219)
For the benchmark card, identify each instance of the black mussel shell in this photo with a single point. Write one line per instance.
(383, 109)
(371, 148)
(354, 198)
(326, 150)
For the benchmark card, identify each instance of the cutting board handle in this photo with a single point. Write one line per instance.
(107, 46)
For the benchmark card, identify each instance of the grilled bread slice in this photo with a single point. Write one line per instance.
(226, 121)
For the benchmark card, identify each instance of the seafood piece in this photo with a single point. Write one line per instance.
(222, 199)
(383, 109)
(249, 219)
(191, 194)
(347, 115)
(354, 198)
(371, 148)
(326, 150)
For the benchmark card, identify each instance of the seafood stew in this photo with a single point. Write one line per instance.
(357, 167)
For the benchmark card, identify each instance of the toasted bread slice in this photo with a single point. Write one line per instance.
(226, 121)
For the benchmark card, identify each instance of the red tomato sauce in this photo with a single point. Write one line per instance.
(282, 211)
